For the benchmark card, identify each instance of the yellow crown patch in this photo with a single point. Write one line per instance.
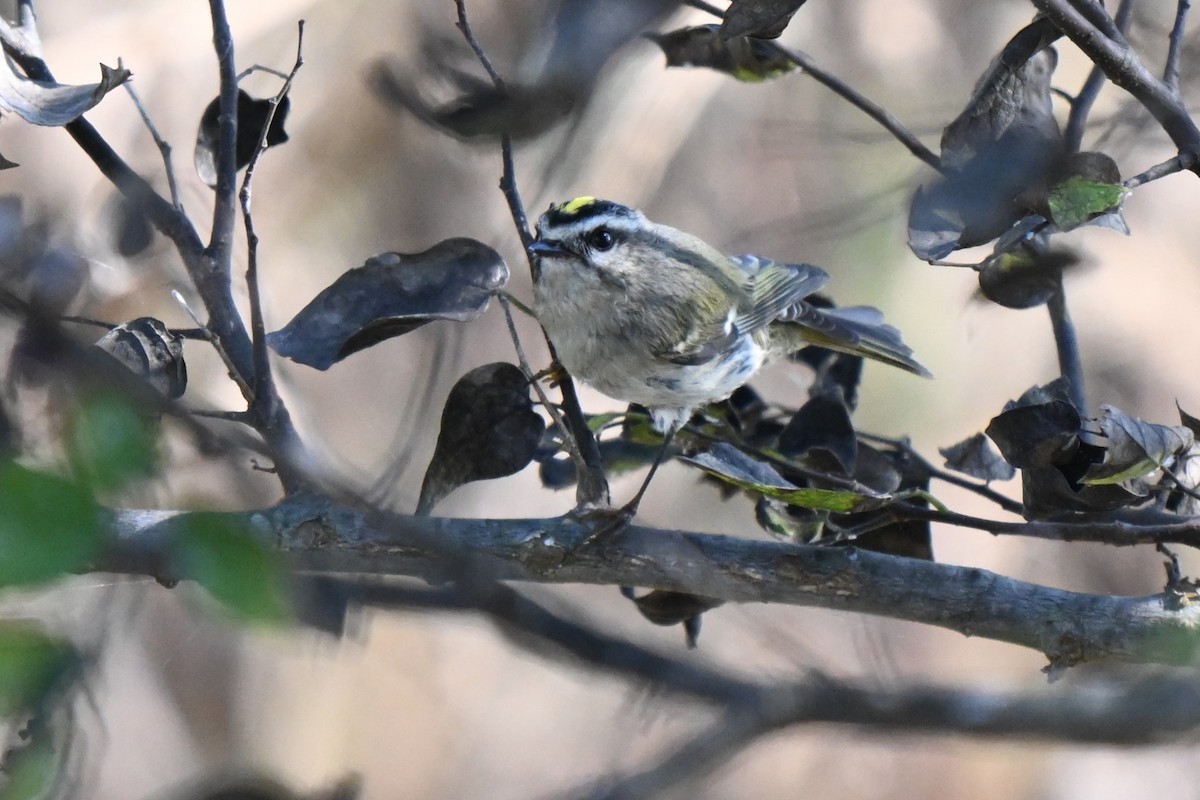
(573, 207)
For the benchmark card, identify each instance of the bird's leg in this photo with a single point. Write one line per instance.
(616, 520)
(630, 508)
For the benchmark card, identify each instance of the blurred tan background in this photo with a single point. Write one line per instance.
(443, 707)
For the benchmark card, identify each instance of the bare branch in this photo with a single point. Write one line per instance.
(592, 485)
(1153, 710)
(871, 109)
(164, 147)
(1081, 104)
(266, 405)
(220, 243)
(1068, 627)
(1171, 70)
(1181, 162)
(1122, 66)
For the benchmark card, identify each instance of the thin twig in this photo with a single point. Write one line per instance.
(703, 6)
(551, 409)
(1082, 103)
(220, 243)
(592, 486)
(97, 323)
(871, 109)
(1181, 162)
(264, 391)
(260, 68)
(164, 147)
(1180, 486)
(1123, 67)
(464, 27)
(1171, 70)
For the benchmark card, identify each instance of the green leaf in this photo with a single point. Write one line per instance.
(31, 663)
(111, 443)
(733, 467)
(48, 526)
(31, 773)
(237, 570)
(1077, 200)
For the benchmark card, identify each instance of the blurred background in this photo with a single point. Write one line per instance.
(430, 706)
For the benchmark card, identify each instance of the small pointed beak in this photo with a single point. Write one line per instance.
(547, 248)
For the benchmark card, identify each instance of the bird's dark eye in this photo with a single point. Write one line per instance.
(601, 239)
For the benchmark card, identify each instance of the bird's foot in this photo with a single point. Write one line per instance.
(606, 521)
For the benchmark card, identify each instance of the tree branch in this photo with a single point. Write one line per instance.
(1068, 627)
(1123, 67)
(1152, 710)
(1081, 105)
(267, 407)
(592, 485)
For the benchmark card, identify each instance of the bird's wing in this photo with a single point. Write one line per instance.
(701, 346)
(857, 330)
(774, 289)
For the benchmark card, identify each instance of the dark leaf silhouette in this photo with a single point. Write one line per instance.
(1188, 421)
(252, 116)
(664, 607)
(489, 430)
(760, 19)
(995, 154)
(586, 34)
(391, 295)
(821, 435)
(1135, 448)
(1039, 429)
(974, 456)
(480, 110)
(49, 103)
(746, 59)
(130, 230)
(1026, 275)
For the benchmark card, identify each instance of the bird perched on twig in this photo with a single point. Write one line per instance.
(649, 314)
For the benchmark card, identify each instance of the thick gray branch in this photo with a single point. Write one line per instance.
(1123, 67)
(1068, 627)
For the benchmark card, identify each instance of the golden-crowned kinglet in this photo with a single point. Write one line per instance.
(652, 315)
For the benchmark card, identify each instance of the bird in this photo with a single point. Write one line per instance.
(652, 315)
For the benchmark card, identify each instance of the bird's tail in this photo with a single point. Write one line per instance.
(857, 330)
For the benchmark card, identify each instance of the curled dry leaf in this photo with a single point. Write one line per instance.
(149, 349)
(1135, 448)
(50, 103)
(391, 295)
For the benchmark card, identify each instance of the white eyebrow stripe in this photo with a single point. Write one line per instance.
(578, 227)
